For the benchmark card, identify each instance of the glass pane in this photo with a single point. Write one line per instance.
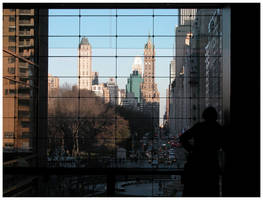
(134, 25)
(102, 26)
(63, 26)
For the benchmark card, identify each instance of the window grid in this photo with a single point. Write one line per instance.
(117, 56)
(79, 117)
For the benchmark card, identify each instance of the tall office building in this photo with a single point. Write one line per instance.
(149, 91)
(179, 87)
(196, 66)
(113, 91)
(19, 40)
(172, 71)
(84, 65)
(134, 85)
(213, 53)
(186, 16)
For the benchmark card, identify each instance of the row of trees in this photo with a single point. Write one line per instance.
(79, 121)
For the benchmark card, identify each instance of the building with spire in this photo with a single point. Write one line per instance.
(84, 65)
(150, 100)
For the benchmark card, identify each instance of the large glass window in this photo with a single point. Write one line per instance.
(123, 86)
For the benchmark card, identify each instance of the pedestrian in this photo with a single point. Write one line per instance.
(201, 172)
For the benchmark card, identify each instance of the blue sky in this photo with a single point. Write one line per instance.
(65, 27)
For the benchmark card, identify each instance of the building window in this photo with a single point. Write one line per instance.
(11, 38)
(22, 114)
(23, 102)
(23, 90)
(11, 29)
(9, 145)
(12, 91)
(22, 70)
(25, 124)
(21, 50)
(8, 135)
(25, 145)
(11, 59)
(12, 48)
(26, 135)
(12, 18)
(11, 70)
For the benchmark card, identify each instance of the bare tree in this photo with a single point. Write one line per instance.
(91, 124)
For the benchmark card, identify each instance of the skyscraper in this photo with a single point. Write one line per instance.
(134, 85)
(179, 87)
(149, 91)
(213, 53)
(186, 16)
(113, 91)
(172, 71)
(84, 65)
(20, 45)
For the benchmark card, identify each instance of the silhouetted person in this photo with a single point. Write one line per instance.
(201, 177)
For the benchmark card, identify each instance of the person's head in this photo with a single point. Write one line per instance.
(210, 114)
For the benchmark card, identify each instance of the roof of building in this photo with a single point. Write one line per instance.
(149, 42)
(84, 41)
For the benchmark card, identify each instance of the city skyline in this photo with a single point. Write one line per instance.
(63, 52)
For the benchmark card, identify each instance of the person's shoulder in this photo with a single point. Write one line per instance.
(198, 125)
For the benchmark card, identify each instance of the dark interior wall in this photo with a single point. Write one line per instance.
(242, 139)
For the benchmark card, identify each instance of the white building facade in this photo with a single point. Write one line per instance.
(84, 65)
(137, 65)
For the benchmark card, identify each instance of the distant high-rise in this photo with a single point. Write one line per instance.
(134, 85)
(172, 71)
(84, 65)
(121, 96)
(113, 91)
(186, 16)
(149, 91)
(95, 78)
(53, 82)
